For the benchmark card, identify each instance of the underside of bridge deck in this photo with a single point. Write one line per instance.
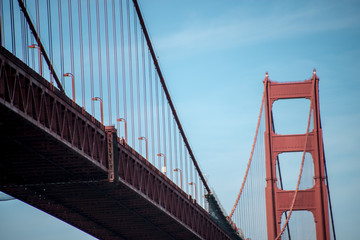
(47, 174)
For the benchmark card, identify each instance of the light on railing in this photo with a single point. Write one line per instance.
(146, 146)
(180, 172)
(193, 184)
(39, 50)
(101, 108)
(124, 121)
(163, 169)
(73, 83)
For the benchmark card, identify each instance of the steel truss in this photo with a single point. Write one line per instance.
(127, 189)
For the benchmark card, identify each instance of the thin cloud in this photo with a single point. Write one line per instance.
(225, 32)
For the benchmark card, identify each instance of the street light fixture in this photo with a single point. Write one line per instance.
(101, 108)
(180, 172)
(193, 184)
(40, 65)
(146, 145)
(124, 121)
(73, 83)
(164, 167)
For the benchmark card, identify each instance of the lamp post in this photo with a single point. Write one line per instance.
(146, 146)
(164, 167)
(40, 65)
(180, 172)
(73, 83)
(101, 108)
(124, 121)
(193, 184)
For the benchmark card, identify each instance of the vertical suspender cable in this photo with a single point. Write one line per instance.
(71, 38)
(107, 61)
(33, 41)
(186, 170)
(123, 58)
(197, 195)
(37, 17)
(99, 48)
(90, 58)
(157, 114)
(2, 43)
(13, 49)
(175, 148)
(191, 179)
(37, 23)
(50, 36)
(181, 157)
(196, 189)
(151, 110)
(115, 65)
(202, 197)
(163, 122)
(328, 190)
(255, 187)
(137, 79)
(61, 43)
(144, 85)
(26, 38)
(130, 74)
(251, 192)
(170, 158)
(24, 44)
(81, 54)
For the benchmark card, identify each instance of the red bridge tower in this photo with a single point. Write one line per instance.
(314, 199)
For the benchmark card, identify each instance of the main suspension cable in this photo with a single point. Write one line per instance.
(251, 156)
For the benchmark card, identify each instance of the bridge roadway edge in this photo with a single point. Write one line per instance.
(27, 172)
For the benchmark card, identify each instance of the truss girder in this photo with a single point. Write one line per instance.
(61, 160)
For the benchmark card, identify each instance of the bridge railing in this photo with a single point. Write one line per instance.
(99, 54)
(23, 92)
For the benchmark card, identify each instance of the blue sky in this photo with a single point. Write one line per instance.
(214, 55)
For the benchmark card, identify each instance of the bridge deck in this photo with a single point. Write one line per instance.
(47, 174)
(55, 157)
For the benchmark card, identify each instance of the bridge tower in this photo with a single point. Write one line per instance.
(280, 201)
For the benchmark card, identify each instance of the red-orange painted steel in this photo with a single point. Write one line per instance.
(314, 199)
(55, 149)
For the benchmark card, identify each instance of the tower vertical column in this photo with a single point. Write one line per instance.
(270, 176)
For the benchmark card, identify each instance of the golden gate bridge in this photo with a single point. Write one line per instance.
(116, 159)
